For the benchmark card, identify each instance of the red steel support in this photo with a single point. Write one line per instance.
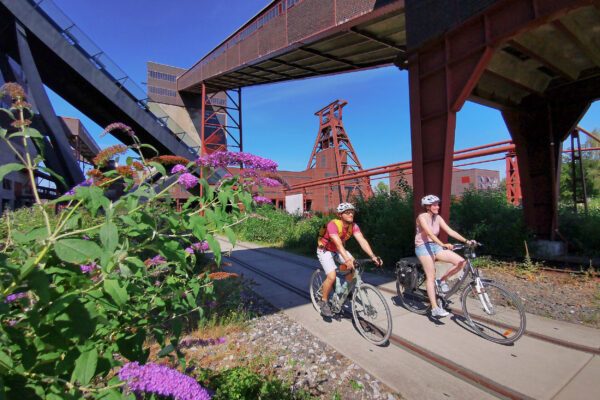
(513, 183)
(443, 74)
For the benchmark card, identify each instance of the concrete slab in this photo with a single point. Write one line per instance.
(587, 377)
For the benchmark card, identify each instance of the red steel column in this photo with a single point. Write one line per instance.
(441, 77)
(513, 182)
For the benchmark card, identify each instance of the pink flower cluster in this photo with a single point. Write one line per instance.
(161, 380)
(89, 268)
(269, 182)
(15, 296)
(178, 168)
(225, 158)
(155, 261)
(198, 246)
(188, 180)
(262, 200)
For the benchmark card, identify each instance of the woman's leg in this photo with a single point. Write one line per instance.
(428, 264)
(451, 257)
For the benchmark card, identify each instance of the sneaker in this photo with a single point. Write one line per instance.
(442, 286)
(439, 312)
(325, 309)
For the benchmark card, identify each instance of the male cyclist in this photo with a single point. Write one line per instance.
(331, 243)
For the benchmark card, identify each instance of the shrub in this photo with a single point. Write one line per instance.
(486, 216)
(84, 291)
(581, 230)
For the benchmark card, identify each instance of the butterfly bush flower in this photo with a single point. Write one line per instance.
(89, 268)
(15, 296)
(178, 168)
(262, 200)
(269, 182)
(198, 246)
(225, 158)
(161, 380)
(188, 180)
(87, 182)
(155, 261)
(120, 126)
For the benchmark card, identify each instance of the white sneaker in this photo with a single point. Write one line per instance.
(439, 312)
(442, 286)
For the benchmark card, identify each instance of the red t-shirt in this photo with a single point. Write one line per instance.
(336, 227)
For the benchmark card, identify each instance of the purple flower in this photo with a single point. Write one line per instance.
(85, 237)
(188, 180)
(87, 182)
(15, 296)
(225, 158)
(178, 168)
(89, 268)
(155, 261)
(161, 380)
(269, 182)
(198, 246)
(262, 200)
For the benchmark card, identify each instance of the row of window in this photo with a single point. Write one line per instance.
(162, 76)
(215, 101)
(273, 12)
(162, 91)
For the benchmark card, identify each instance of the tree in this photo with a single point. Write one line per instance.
(382, 188)
(591, 170)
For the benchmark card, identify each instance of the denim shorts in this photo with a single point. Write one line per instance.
(428, 249)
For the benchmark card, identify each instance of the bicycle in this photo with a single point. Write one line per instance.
(370, 311)
(491, 311)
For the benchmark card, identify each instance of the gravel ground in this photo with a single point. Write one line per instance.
(286, 350)
(554, 295)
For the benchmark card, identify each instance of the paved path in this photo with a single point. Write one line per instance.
(531, 368)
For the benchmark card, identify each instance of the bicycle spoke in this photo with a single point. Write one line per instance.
(371, 314)
(494, 312)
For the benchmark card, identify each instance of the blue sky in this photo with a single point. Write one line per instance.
(279, 121)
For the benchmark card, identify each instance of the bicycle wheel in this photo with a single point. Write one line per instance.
(316, 287)
(494, 313)
(413, 300)
(371, 314)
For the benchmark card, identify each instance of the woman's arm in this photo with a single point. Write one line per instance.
(451, 232)
(422, 221)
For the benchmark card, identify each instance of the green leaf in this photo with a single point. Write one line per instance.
(40, 283)
(159, 167)
(166, 350)
(109, 236)
(54, 174)
(116, 292)
(230, 235)
(77, 251)
(197, 225)
(60, 304)
(5, 361)
(33, 235)
(8, 168)
(9, 113)
(28, 132)
(147, 146)
(3, 132)
(85, 366)
(214, 246)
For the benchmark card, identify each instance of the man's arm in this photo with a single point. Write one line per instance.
(367, 248)
(341, 249)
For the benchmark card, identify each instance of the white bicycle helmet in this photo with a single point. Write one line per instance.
(429, 200)
(345, 207)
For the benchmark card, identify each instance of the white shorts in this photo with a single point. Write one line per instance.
(330, 260)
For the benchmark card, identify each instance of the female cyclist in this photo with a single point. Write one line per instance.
(429, 249)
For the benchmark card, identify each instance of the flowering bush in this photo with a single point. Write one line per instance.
(84, 291)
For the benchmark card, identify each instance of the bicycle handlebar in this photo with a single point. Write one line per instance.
(472, 246)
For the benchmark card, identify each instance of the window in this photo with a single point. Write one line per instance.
(162, 91)
(162, 76)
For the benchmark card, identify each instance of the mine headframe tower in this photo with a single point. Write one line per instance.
(332, 135)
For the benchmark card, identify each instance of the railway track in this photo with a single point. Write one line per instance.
(467, 375)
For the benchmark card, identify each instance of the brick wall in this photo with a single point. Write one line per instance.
(272, 35)
(309, 17)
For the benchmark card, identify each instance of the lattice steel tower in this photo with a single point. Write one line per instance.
(332, 135)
